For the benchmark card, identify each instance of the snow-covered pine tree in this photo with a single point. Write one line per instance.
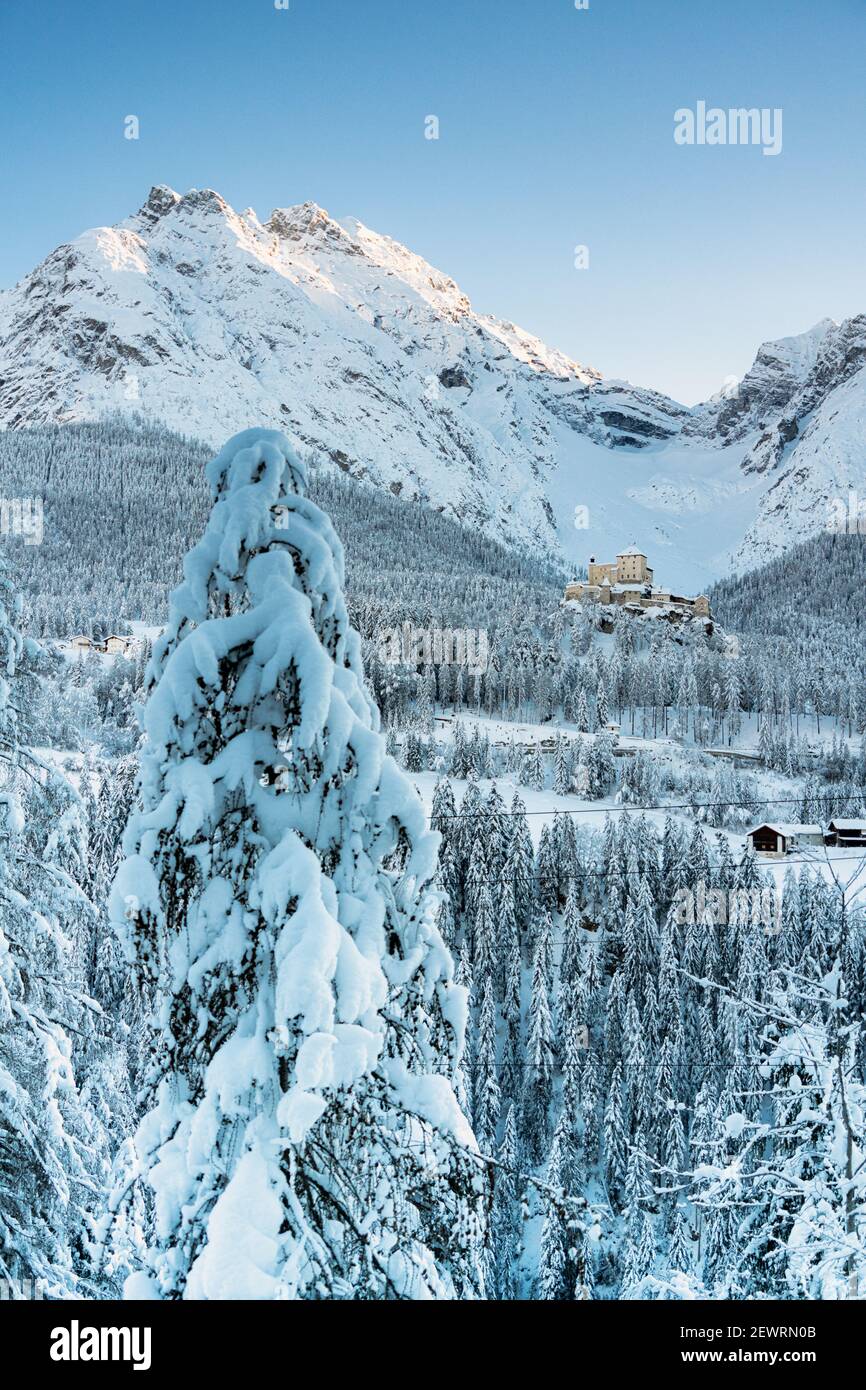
(553, 1255)
(538, 1077)
(487, 1104)
(535, 768)
(505, 1218)
(562, 770)
(303, 1140)
(581, 717)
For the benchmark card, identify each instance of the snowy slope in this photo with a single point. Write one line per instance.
(210, 319)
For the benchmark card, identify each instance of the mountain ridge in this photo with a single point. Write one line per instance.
(208, 319)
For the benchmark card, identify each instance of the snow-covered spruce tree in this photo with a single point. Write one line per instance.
(303, 1139)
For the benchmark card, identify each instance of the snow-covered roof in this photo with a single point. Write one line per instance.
(786, 828)
(632, 550)
(839, 824)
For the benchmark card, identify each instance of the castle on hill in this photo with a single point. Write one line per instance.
(629, 583)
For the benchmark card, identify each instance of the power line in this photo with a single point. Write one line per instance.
(672, 806)
(604, 873)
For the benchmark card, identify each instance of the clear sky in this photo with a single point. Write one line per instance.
(555, 130)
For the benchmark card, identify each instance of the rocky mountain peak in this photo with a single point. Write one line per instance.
(160, 200)
(306, 220)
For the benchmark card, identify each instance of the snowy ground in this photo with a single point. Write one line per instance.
(501, 731)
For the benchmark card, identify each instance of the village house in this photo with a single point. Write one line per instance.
(846, 832)
(116, 645)
(774, 841)
(629, 582)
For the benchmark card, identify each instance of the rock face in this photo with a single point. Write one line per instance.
(211, 320)
(788, 380)
(774, 379)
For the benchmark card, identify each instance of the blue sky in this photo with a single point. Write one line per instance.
(556, 130)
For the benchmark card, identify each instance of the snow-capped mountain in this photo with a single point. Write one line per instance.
(211, 320)
(800, 413)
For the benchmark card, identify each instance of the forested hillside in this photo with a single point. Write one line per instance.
(812, 595)
(123, 501)
(642, 1000)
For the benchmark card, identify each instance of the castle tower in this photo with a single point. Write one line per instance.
(631, 567)
(598, 573)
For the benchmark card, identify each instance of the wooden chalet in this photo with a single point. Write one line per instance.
(776, 841)
(117, 645)
(842, 831)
